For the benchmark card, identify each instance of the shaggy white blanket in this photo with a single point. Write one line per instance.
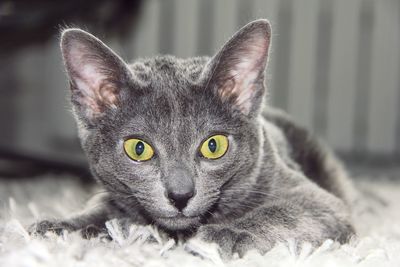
(23, 202)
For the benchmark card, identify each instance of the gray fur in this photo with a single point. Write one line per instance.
(276, 182)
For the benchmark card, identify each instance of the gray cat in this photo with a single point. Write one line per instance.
(185, 144)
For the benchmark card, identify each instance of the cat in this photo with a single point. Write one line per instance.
(188, 145)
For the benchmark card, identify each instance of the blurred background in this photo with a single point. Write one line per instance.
(334, 66)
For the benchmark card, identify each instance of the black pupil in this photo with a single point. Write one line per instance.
(139, 148)
(212, 145)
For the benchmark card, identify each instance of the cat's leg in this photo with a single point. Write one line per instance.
(90, 223)
(307, 214)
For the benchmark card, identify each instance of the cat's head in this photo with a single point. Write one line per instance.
(176, 138)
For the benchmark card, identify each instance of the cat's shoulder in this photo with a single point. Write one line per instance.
(284, 122)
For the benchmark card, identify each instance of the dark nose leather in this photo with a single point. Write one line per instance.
(180, 200)
(180, 188)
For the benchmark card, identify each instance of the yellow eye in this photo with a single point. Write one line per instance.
(215, 146)
(138, 149)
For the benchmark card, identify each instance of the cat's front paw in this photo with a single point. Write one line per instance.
(231, 240)
(92, 231)
(58, 227)
(42, 227)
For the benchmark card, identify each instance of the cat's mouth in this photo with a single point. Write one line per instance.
(179, 222)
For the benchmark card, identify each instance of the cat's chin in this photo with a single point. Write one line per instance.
(179, 222)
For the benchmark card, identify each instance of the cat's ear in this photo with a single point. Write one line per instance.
(237, 70)
(96, 73)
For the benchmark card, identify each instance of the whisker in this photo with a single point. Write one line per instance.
(258, 192)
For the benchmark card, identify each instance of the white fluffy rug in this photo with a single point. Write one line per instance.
(23, 202)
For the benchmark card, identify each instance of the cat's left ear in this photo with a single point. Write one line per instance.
(96, 74)
(237, 70)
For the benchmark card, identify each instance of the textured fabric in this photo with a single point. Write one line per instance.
(22, 202)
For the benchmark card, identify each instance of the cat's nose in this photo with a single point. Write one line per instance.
(180, 199)
(179, 187)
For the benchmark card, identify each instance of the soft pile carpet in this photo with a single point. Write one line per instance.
(24, 201)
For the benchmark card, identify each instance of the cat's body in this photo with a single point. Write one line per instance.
(272, 182)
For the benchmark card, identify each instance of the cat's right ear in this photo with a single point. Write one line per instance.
(95, 72)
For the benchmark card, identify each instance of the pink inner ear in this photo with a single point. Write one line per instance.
(244, 73)
(96, 91)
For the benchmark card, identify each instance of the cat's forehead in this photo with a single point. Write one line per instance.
(171, 104)
(174, 97)
(168, 69)
(170, 85)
